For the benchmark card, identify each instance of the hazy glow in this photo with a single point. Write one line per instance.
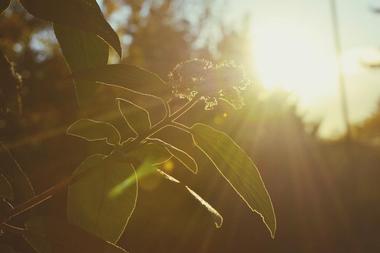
(370, 57)
(295, 60)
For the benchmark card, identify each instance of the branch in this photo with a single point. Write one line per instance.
(13, 229)
(36, 200)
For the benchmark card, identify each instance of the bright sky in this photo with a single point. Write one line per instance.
(293, 49)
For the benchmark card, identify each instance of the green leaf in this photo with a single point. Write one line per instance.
(82, 50)
(148, 152)
(92, 130)
(137, 118)
(179, 154)
(4, 5)
(50, 235)
(11, 170)
(6, 190)
(127, 76)
(238, 169)
(144, 170)
(90, 204)
(84, 15)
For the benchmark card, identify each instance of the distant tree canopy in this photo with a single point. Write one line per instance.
(369, 129)
(150, 37)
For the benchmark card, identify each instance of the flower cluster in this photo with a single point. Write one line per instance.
(211, 82)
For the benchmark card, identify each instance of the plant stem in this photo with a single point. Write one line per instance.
(169, 120)
(180, 126)
(36, 200)
(42, 197)
(13, 229)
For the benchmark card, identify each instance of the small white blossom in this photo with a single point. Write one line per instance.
(224, 81)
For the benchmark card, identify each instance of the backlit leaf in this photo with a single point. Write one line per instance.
(90, 204)
(84, 15)
(82, 50)
(50, 235)
(92, 130)
(136, 117)
(144, 170)
(148, 152)
(180, 155)
(238, 169)
(127, 76)
(11, 170)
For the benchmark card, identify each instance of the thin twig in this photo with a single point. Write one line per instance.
(180, 126)
(13, 229)
(36, 200)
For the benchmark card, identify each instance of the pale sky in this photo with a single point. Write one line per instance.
(293, 49)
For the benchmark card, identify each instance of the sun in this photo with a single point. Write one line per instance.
(294, 59)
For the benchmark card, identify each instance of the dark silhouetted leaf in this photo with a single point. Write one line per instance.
(91, 204)
(82, 50)
(92, 130)
(6, 190)
(84, 15)
(180, 155)
(136, 117)
(238, 169)
(11, 170)
(4, 5)
(50, 235)
(127, 76)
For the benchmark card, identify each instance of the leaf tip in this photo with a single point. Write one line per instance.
(270, 223)
(119, 51)
(219, 222)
